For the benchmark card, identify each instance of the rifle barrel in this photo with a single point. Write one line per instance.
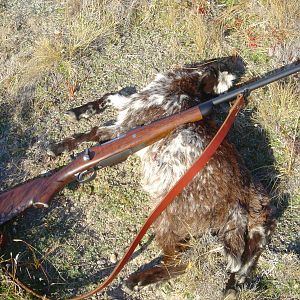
(266, 79)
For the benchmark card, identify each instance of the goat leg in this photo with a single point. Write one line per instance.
(171, 266)
(89, 109)
(96, 107)
(164, 271)
(97, 134)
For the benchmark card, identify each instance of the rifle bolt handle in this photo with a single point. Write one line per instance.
(86, 155)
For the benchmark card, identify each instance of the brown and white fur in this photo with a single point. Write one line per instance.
(222, 198)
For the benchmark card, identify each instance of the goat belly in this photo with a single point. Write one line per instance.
(207, 201)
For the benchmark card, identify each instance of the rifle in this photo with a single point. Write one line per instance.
(38, 192)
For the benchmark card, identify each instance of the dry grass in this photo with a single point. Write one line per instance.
(9, 290)
(280, 116)
(180, 22)
(279, 15)
(48, 55)
(47, 48)
(95, 20)
(83, 23)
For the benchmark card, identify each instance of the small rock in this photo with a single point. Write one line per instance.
(126, 289)
(100, 262)
(113, 258)
(230, 294)
(137, 288)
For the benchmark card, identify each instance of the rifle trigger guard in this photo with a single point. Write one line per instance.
(40, 204)
(90, 173)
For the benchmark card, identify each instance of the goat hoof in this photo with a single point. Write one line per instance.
(3, 241)
(230, 294)
(72, 115)
(134, 282)
(156, 274)
(126, 289)
(50, 153)
(55, 150)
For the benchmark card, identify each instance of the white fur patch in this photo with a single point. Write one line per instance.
(261, 231)
(121, 117)
(167, 166)
(142, 152)
(258, 229)
(155, 100)
(118, 101)
(136, 104)
(233, 264)
(158, 78)
(225, 81)
(244, 272)
(89, 112)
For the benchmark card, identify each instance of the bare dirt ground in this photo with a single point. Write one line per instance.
(55, 55)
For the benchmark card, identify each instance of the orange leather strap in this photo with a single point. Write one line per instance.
(175, 191)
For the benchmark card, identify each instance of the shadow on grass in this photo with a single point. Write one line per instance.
(37, 270)
(253, 144)
(14, 138)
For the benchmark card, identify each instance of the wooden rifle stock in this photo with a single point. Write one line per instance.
(38, 192)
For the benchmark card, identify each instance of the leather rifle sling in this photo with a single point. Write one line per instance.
(171, 195)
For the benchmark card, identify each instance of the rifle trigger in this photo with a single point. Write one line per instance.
(86, 175)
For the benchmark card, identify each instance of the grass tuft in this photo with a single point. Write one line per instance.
(279, 114)
(84, 23)
(47, 56)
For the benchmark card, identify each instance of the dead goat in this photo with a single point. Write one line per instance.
(222, 199)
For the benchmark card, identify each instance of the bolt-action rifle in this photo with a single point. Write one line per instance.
(38, 192)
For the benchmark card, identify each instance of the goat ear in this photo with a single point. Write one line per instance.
(208, 82)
